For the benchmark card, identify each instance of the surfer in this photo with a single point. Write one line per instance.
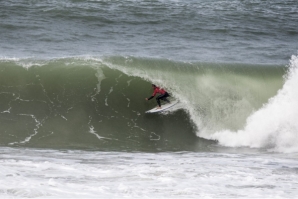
(163, 95)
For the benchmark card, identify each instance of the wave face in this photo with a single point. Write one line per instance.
(100, 103)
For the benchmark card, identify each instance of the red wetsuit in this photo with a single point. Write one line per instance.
(163, 95)
(158, 90)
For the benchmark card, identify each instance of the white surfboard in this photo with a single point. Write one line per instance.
(163, 107)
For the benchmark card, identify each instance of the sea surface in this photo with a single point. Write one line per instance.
(74, 75)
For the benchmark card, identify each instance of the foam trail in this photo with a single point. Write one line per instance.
(92, 131)
(27, 139)
(275, 125)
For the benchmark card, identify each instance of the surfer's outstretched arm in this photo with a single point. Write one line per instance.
(149, 98)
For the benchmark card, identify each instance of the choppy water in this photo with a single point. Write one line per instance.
(74, 76)
(231, 31)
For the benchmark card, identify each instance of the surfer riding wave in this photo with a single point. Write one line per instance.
(163, 95)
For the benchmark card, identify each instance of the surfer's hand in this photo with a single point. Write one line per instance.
(146, 99)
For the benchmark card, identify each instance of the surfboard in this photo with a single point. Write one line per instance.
(163, 107)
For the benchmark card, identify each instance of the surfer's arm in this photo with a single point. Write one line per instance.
(150, 97)
(154, 93)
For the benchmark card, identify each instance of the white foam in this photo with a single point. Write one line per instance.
(37, 126)
(275, 125)
(100, 76)
(31, 173)
(92, 131)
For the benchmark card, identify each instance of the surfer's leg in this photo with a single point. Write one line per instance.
(167, 100)
(158, 100)
(164, 97)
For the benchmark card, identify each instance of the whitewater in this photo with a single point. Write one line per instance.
(74, 76)
(274, 125)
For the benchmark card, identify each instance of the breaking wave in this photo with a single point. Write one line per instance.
(87, 102)
(273, 126)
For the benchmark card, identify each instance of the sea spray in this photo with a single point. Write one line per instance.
(275, 125)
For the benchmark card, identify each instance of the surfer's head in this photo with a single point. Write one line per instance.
(153, 85)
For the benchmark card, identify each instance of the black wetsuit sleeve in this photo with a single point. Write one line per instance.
(150, 97)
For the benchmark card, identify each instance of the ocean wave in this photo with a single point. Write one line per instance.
(92, 102)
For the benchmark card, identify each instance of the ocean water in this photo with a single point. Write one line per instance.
(74, 75)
